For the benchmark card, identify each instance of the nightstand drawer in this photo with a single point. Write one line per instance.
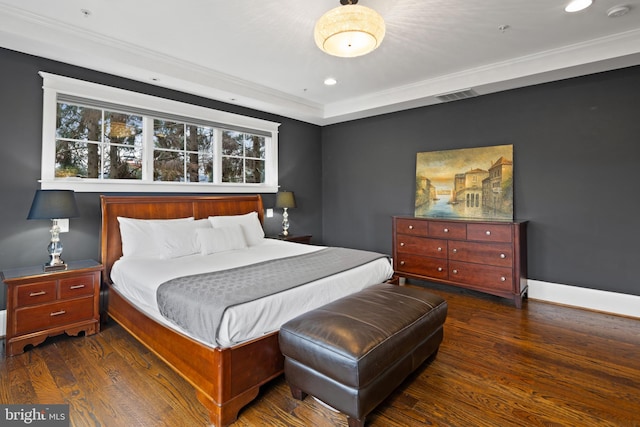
(76, 286)
(51, 315)
(36, 293)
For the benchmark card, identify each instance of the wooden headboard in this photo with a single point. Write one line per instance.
(164, 207)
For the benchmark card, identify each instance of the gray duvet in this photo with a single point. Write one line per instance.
(197, 303)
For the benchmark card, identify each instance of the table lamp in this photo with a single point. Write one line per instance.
(54, 205)
(285, 200)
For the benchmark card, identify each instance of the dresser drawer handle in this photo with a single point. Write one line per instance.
(455, 271)
(439, 268)
(488, 233)
(503, 256)
(37, 294)
(446, 230)
(57, 313)
(76, 287)
(401, 262)
(454, 250)
(439, 249)
(503, 279)
(411, 227)
(401, 243)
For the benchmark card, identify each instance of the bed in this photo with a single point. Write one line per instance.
(225, 377)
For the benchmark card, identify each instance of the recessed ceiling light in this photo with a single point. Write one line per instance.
(330, 81)
(578, 5)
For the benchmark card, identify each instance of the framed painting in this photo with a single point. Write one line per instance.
(465, 183)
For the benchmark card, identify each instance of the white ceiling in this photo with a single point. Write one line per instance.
(261, 53)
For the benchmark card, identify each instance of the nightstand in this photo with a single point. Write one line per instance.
(40, 305)
(291, 238)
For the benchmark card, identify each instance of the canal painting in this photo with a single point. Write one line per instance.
(465, 183)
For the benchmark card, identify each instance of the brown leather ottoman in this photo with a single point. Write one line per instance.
(353, 352)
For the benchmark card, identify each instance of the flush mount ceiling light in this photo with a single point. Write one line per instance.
(578, 5)
(349, 30)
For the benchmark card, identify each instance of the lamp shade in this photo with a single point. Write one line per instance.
(350, 30)
(285, 199)
(53, 204)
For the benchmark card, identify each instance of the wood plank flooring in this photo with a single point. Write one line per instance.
(544, 365)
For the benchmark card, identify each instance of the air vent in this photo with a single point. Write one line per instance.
(454, 96)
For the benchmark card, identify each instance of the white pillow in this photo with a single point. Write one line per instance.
(253, 232)
(137, 236)
(221, 239)
(177, 239)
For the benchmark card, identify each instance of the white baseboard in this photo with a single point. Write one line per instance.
(3, 323)
(590, 299)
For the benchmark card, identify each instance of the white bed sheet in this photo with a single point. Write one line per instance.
(138, 279)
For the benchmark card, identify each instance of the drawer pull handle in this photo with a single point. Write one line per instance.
(488, 233)
(503, 256)
(57, 313)
(455, 271)
(439, 268)
(503, 279)
(76, 287)
(454, 250)
(401, 243)
(411, 227)
(401, 262)
(37, 294)
(446, 230)
(439, 249)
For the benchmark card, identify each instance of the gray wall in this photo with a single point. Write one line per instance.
(576, 152)
(576, 160)
(23, 243)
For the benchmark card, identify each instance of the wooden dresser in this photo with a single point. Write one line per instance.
(42, 304)
(486, 256)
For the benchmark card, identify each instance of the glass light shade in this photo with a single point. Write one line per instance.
(350, 30)
(578, 5)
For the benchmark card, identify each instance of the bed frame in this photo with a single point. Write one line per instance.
(225, 379)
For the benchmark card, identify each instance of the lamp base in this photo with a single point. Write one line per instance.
(57, 267)
(55, 262)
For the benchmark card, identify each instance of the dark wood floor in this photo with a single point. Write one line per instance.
(544, 365)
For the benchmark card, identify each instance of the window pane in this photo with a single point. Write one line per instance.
(231, 169)
(167, 134)
(205, 167)
(122, 162)
(232, 143)
(254, 171)
(76, 122)
(254, 146)
(123, 128)
(168, 165)
(199, 138)
(77, 159)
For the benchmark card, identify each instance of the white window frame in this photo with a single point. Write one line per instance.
(54, 85)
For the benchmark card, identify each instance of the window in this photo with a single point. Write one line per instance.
(97, 138)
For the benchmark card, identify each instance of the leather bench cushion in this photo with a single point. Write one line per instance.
(354, 339)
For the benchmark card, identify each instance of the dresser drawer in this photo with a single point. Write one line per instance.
(428, 247)
(77, 286)
(36, 293)
(498, 254)
(489, 232)
(55, 314)
(482, 276)
(412, 227)
(424, 266)
(447, 230)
